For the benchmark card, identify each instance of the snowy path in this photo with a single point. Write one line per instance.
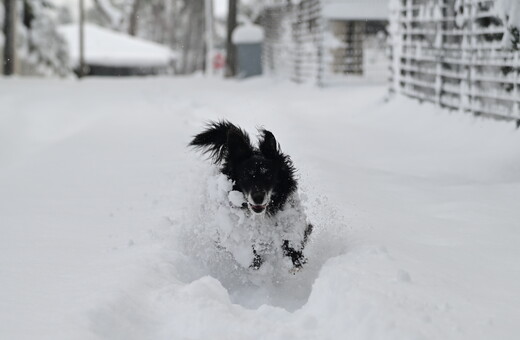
(417, 213)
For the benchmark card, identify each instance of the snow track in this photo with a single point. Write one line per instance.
(416, 215)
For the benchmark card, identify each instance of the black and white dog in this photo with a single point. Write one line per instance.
(264, 175)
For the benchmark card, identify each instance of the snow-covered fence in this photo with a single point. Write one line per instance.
(278, 50)
(318, 41)
(307, 33)
(459, 54)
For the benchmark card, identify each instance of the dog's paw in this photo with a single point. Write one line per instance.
(295, 270)
(298, 263)
(257, 261)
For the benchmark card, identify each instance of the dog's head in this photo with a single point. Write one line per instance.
(255, 171)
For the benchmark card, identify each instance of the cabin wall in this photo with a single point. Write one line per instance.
(125, 71)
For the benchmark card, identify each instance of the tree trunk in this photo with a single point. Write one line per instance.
(193, 40)
(208, 23)
(82, 66)
(134, 18)
(230, 48)
(10, 37)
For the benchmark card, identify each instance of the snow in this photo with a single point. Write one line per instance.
(110, 48)
(509, 12)
(248, 34)
(221, 221)
(355, 10)
(415, 212)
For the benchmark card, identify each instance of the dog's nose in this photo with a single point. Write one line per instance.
(258, 197)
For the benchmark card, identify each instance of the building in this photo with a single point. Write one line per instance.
(110, 53)
(320, 41)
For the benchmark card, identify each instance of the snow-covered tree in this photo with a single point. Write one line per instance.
(64, 15)
(249, 11)
(40, 46)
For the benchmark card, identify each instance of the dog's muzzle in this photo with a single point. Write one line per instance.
(258, 202)
(257, 209)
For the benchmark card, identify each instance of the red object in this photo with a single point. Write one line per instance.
(219, 61)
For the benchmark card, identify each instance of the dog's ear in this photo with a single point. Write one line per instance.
(268, 144)
(239, 147)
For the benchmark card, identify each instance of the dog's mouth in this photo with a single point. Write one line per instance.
(258, 209)
(259, 205)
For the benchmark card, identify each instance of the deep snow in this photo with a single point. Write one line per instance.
(416, 214)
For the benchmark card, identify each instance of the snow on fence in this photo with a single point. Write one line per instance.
(312, 41)
(292, 41)
(307, 32)
(459, 54)
(277, 52)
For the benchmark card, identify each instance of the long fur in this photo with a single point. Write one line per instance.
(229, 147)
(213, 141)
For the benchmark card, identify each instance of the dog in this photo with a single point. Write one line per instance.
(264, 175)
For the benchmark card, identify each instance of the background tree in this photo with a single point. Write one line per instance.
(230, 48)
(32, 41)
(9, 37)
(43, 48)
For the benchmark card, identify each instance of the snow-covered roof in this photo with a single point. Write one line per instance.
(110, 48)
(355, 9)
(248, 34)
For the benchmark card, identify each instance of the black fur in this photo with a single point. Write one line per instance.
(255, 171)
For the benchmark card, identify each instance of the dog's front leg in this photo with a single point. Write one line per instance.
(257, 261)
(296, 256)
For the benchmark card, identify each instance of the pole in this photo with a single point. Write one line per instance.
(81, 71)
(208, 6)
(230, 48)
(10, 37)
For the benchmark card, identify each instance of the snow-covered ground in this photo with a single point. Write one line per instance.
(416, 212)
